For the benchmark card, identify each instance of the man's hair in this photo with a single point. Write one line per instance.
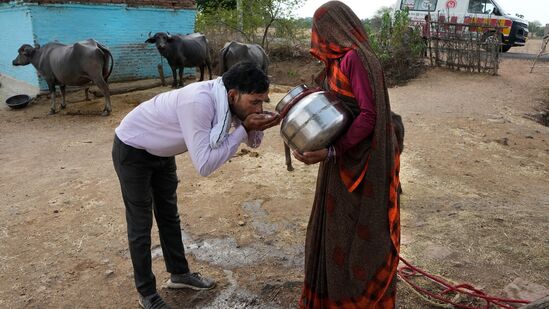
(246, 77)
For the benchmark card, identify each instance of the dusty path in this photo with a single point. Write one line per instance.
(475, 209)
(543, 58)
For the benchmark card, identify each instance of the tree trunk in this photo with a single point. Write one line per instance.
(240, 26)
(265, 32)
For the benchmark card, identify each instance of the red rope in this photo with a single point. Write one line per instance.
(407, 271)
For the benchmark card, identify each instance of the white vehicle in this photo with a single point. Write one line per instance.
(514, 33)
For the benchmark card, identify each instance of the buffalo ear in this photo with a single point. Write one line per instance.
(29, 52)
(151, 40)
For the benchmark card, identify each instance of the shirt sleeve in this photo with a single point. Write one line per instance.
(363, 125)
(196, 120)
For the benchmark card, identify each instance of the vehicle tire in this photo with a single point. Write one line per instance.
(505, 48)
(489, 38)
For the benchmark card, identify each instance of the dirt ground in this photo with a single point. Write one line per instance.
(533, 46)
(475, 175)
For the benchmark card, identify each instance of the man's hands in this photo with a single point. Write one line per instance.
(311, 157)
(260, 122)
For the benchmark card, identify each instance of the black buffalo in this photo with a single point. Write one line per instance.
(234, 52)
(70, 65)
(182, 51)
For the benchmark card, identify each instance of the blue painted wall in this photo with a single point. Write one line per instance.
(16, 28)
(121, 28)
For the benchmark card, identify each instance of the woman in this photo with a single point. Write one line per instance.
(353, 236)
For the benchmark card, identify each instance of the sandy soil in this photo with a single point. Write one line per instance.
(475, 205)
(533, 46)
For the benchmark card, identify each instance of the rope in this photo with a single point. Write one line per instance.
(424, 297)
(407, 271)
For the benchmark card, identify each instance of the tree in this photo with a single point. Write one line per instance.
(304, 23)
(257, 19)
(276, 10)
(209, 5)
(536, 28)
(376, 21)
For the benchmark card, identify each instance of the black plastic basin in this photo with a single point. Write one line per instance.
(18, 101)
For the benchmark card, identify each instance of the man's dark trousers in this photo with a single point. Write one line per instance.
(148, 183)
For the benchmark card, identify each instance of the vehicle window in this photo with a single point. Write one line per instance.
(481, 7)
(419, 5)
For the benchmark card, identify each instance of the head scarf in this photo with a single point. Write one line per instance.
(335, 31)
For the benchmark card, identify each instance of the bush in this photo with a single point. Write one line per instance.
(398, 45)
(257, 21)
(536, 29)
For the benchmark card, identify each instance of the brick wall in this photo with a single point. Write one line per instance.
(178, 4)
(121, 28)
(16, 25)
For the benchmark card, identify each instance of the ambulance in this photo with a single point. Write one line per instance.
(490, 12)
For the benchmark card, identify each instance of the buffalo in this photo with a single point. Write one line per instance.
(182, 51)
(70, 65)
(234, 52)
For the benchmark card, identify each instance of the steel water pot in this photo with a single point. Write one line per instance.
(312, 118)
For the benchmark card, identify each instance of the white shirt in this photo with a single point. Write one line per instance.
(180, 120)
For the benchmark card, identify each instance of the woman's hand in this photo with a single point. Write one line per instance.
(311, 157)
(260, 122)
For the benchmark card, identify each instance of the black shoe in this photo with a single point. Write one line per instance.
(153, 301)
(190, 280)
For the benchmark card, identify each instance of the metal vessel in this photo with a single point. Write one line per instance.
(313, 118)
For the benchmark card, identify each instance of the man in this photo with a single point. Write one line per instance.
(426, 33)
(194, 119)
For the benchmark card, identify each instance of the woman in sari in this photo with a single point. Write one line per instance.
(353, 236)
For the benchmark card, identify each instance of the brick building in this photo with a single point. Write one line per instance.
(121, 25)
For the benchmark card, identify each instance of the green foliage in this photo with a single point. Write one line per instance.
(304, 23)
(209, 5)
(536, 29)
(397, 44)
(253, 23)
(375, 22)
(289, 31)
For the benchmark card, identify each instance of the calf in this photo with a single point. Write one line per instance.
(183, 51)
(70, 65)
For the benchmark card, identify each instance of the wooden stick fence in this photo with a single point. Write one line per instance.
(543, 48)
(467, 47)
